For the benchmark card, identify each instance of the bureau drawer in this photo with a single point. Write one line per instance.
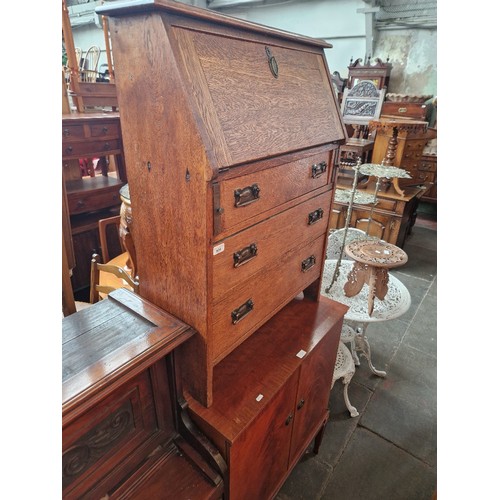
(428, 166)
(252, 112)
(252, 195)
(81, 149)
(86, 201)
(108, 435)
(246, 253)
(71, 132)
(102, 130)
(425, 176)
(253, 302)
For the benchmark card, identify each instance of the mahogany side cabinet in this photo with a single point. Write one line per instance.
(125, 428)
(230, 129)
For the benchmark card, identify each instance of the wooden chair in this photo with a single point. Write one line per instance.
(88, 70)
(101, 285)
(109, 228)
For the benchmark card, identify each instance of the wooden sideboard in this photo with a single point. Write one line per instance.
(230, 130)
(276, 402)
(392, 217)
(126, 432)
(90, 135)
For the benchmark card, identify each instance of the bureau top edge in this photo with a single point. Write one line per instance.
(125, 8)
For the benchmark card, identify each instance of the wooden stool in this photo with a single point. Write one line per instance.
(372, 260)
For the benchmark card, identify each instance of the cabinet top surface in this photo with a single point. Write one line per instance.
(109, 340)
(276, 350)
(174, 7)
(77, 118)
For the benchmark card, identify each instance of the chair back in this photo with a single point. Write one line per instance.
(362, 103)
(89, 65)
(98, 290)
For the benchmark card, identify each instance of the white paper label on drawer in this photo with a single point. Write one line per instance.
(259, 397)
(301, 354)
(218, 248)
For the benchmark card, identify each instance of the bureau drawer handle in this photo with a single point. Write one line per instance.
(318, 169)
(289, 419)
(315, 216)
(402, 110)
(239, 313)
(106, 146)
(301, 404)
(247, 195)
(308, 263)
(104, 129)
(245, 255)
(66, 132)
(69, 149)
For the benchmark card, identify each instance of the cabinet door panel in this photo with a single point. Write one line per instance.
(313, 393)
(259, 458)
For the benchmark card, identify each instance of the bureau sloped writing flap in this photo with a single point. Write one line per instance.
(258, 112)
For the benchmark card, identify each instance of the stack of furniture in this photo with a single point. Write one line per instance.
(230, 130)
(89, 199)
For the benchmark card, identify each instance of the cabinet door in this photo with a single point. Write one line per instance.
(313, 393)
(383, 226)
(259, 457)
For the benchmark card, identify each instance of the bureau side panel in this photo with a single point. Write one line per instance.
(167, 170)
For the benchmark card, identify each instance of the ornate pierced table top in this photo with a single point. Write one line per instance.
(360, 198)
(396, 302)
(385, 171)
(376, 253)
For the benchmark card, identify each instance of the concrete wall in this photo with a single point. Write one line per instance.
(412, 52)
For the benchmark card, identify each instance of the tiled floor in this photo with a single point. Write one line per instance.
(388, 452)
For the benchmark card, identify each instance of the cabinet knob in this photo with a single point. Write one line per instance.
(66, 132)
(301, 404)
(289, 419)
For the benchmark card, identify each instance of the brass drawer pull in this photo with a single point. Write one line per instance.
(245, 255)
(301, 404)
(402, 110)
(308, 263)
(246, 195)
(315, 216)
(239, 313)
(318, 169)
(289, 419)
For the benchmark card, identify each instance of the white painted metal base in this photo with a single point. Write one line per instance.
(344, 369)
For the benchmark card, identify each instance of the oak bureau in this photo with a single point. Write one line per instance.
(230, 129)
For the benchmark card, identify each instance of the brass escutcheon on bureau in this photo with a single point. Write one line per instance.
(239, 313)
(315, 216)
(318, 169)
(245, 255)
(273, 64)
(308, 263)
(247, 195)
